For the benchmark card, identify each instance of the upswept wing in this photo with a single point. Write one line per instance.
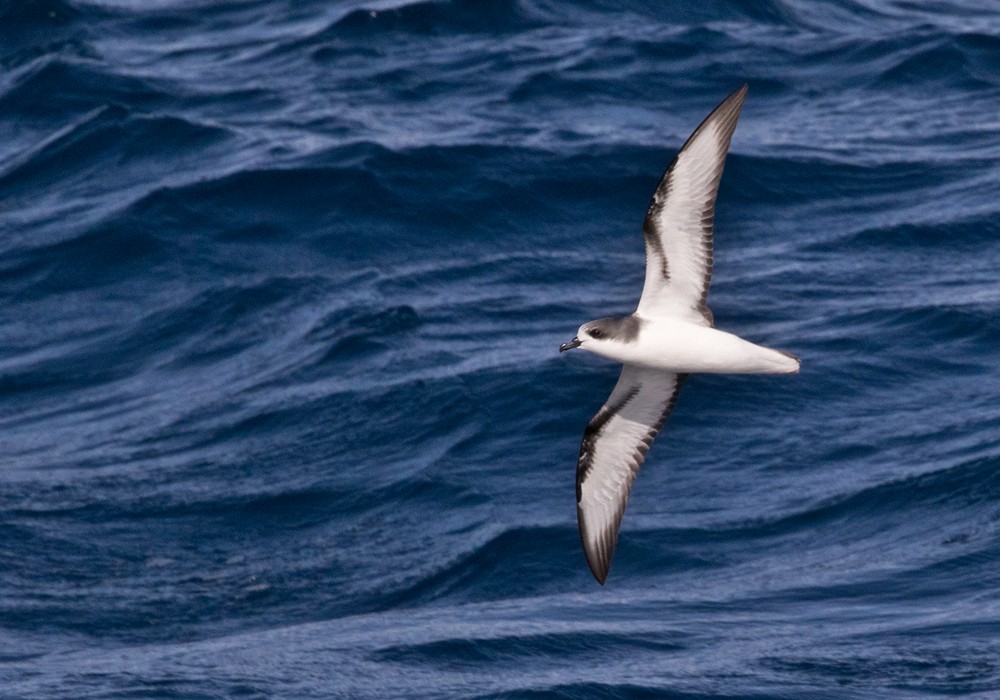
(678, 225)
(614, 446)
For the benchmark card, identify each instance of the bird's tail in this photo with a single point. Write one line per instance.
(785, 362)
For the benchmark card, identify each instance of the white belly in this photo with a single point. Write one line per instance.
(679, 346)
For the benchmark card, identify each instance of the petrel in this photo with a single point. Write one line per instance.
(670, 335)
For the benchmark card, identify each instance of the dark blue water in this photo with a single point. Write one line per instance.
(281, 408)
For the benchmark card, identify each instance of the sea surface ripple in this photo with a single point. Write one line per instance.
(281, 408)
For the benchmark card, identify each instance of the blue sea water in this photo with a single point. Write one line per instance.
(281, 408)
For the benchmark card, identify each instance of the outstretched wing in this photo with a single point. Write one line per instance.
(614, 446)
(678, 225)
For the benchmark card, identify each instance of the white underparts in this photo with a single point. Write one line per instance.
(677, 345)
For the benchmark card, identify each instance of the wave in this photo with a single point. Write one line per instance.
(436, 17)
(81, 85)
(510, 648)
(110, 135)
(711, 11)
(210, 326)
(359, 331)
(33, 28)
(98, 257)
(959, 234)
(964, 60)
(973, 484)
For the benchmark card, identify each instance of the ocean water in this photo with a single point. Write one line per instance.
(282, 412)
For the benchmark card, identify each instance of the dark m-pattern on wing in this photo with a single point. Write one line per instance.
(649, 231)
(590, 435)
(600, 559)
(678, 233)
(600, 420)
(723, 119)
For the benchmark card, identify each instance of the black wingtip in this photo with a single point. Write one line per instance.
(600, 578)
(599, 568)
(598, 553)
(737, 95)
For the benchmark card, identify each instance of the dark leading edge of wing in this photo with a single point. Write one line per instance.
(678, 224)
(614, 446)
(678, 233)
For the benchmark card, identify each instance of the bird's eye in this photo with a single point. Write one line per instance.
(595, 332)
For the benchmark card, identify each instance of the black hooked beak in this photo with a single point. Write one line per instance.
(575, 343)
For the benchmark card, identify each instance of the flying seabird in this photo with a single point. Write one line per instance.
(671, 334)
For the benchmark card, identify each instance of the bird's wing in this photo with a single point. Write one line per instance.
(678, 225)
(614, 446)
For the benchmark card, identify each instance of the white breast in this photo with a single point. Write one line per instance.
(676, 345)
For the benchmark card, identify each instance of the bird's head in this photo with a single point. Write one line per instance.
(597, 335)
